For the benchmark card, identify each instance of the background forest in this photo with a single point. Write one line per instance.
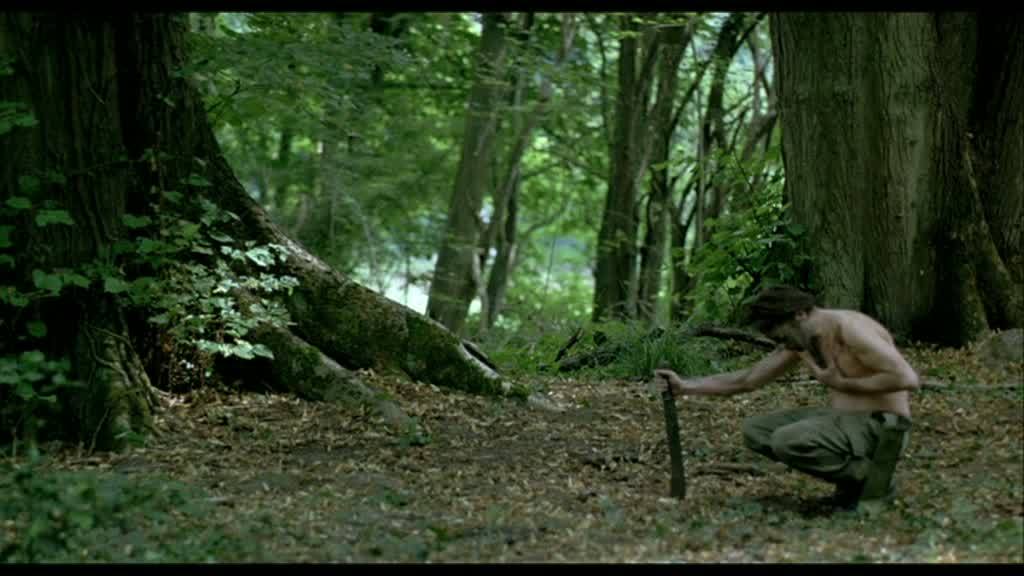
(396, 280)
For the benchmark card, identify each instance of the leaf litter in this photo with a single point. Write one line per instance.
(502, 481)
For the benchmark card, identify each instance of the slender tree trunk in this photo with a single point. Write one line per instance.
(504, 261)
(682, 281)
(652, 251)
(453, 286)
(713, 129)
(501, 231)
(521, 125)
(614, 289)
(882, 165)
(282, 176)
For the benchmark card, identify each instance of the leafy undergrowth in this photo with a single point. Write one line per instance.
(282, 480)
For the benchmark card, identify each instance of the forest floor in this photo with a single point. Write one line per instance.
(282, 480)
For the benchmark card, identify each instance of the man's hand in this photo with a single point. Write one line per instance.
(664, 378)
(830, 376)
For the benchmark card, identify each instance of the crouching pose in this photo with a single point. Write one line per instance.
(855, 441)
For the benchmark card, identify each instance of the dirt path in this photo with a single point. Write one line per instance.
(504, 482)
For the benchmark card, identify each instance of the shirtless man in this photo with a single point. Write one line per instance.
(868, 379)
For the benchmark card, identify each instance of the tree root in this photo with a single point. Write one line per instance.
(302, 369)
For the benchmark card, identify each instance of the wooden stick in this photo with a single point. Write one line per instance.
(678, 482)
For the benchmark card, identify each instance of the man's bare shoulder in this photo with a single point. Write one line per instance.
(857, 320)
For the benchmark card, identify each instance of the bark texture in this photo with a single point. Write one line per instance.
(65, 73)
(893, 133)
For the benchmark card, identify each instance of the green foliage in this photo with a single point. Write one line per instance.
(29, 384)
(633, 350)
(288, 91)
(639, 350)
(197, 301)
(750, 248)
(91, 517)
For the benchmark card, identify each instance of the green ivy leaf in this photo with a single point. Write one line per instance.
(76, 280)
(188, 230)
(24, 390)
(47, 217)
(28, 184)
(32, 357)
(148, 245)
(25, 120)
(123, 247)
(5, 236)
(223, 238)
(44, 281)
(263, 351)
(198, 181)
(244, 350)
(135, 222)
(260, 256)
(10, 295)
(114, 285)
(55, 177)
(141, 288)
(6, 259)
(173, 196)
(36, 329)
(19, 203)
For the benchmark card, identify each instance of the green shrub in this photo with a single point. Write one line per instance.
(84, 516)
(752, 247)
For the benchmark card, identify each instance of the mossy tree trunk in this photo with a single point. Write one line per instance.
(105, 94)
(895, 128)
(66, 74)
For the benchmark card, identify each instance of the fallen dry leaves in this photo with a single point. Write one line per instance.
(502, 481)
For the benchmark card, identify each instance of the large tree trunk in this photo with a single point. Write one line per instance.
(997, 120)
(103, 89)
(882, 163)
(614, 287)
(63, 72)
(454, 283)
(352, 325)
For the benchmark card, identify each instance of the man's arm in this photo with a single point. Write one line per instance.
(892, 373)
(764, 371)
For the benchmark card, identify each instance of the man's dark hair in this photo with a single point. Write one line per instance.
(777, 304)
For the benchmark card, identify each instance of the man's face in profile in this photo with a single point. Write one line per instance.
(789, 333)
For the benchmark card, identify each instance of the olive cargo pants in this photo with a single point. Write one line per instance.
(829, 444)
